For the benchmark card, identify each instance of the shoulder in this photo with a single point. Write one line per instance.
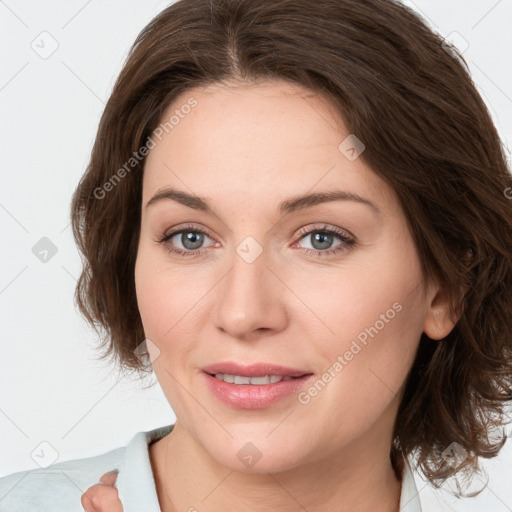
(57, 487)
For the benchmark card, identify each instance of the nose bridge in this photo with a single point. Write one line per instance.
(245, 301)
(247, 279)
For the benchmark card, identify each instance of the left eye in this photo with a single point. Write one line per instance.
(322, 240)
(191, 240)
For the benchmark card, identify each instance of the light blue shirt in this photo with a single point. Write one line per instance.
(59, 487)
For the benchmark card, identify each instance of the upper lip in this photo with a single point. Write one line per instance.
(253, 370)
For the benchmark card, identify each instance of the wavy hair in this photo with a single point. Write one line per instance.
(409, 96)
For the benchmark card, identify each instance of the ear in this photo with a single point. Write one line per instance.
(438, 320)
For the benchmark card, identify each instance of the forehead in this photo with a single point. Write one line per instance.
(256, 141)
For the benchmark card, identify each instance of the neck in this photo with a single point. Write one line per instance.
(359, 477)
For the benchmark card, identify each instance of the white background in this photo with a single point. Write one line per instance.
(51, 386)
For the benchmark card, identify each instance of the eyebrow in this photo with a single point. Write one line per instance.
(290, 205)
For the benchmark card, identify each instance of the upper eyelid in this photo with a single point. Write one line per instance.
(173, 232)
(325, 228)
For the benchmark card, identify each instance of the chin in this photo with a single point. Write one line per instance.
(259, 456)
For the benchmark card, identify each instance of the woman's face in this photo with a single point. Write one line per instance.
(330, 288)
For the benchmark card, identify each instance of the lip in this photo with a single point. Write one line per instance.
(253, 370)
(252, 396)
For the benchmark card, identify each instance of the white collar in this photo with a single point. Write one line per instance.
(409, 497)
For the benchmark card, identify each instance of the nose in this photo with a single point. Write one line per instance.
(251, 299)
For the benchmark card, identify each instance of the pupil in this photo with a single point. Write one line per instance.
(321, 237)
(192, 240)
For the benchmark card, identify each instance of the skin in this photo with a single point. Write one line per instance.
(247, 147)
(103, 497)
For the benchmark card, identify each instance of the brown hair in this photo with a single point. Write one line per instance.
(427, 133)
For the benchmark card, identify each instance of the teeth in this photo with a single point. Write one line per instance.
(240, 379)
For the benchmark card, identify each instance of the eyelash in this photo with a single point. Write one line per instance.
(347, 241)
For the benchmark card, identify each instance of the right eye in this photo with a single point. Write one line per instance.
(190, 238)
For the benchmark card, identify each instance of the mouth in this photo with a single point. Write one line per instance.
(262, 380)
(236, 373)
(254, 391)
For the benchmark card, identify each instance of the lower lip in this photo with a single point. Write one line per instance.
(251, 396)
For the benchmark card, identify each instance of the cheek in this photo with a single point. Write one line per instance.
(169, 298)
(343, 303)
(165, 301)
(367, 361)
(150, 296)
(368, 321)
(156, 296)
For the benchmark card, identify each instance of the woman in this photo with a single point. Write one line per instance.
(295, 213)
